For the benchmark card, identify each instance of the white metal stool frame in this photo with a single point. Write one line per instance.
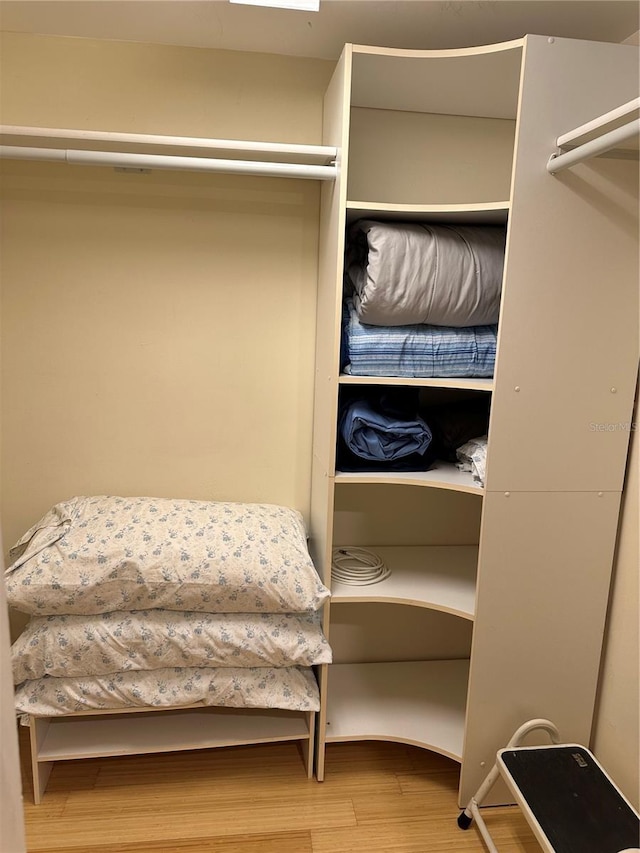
(472, 811)
(500, 769)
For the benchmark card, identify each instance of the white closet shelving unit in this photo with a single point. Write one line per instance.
(495, 608)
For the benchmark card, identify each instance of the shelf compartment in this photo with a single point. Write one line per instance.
(417, 161)
(462, 383)
(481, 213)
(155, 730)
(420, 703)
(435, 577)
(444, 475)
(476, 81)
(169, 731)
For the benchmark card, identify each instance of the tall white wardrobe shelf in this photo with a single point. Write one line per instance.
(495, 609)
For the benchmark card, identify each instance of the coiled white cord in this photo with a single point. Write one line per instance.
(357, 566)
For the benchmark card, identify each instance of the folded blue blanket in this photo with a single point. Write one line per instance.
(375, 435)
(417, 351)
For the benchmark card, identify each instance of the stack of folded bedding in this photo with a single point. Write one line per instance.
(163, 603)
(418, 350)
(381, 430)
(422, 300)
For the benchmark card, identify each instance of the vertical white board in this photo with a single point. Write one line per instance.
(568, 345)
(543, 581)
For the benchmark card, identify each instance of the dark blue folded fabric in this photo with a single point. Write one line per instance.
(346, 461)
(383, 432)
(376, 435)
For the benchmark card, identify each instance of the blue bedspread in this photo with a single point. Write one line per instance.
(417, 351)
(373, 434)
(380, 429)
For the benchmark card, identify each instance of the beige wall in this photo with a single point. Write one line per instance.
(50, 81)
(617, 728)
(157, 330)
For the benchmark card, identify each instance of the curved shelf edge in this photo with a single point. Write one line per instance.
(432, 747)
(336, 598)
(485, 213)
(408, 53)
(450, 479)
(469, 383)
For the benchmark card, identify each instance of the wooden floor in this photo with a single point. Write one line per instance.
(377, 798)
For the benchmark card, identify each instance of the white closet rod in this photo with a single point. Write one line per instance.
(261, 150)
(164, 161)
(594, 148)
(606, 139)
(607, 121)
(150, 151)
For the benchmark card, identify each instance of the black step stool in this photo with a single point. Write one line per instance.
(569, 801)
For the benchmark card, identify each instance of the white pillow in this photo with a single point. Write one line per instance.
(292, 688)
(72, 646)
(98, 554)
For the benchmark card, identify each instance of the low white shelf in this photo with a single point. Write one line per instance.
(420, 703)
(150, 730)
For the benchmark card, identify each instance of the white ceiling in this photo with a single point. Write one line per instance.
(392, 23)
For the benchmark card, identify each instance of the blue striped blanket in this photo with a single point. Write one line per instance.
(417, 351)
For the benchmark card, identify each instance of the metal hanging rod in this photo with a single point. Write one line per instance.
(594, 148)
(596, 137)
(270, 159)
(608, 121)
(53, 137)
(166, 161)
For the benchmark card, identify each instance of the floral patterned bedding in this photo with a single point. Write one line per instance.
(99, 554)
(71, 646)
(291, 688)
(149, 602)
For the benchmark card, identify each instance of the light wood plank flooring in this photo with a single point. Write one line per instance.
(377, 798)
